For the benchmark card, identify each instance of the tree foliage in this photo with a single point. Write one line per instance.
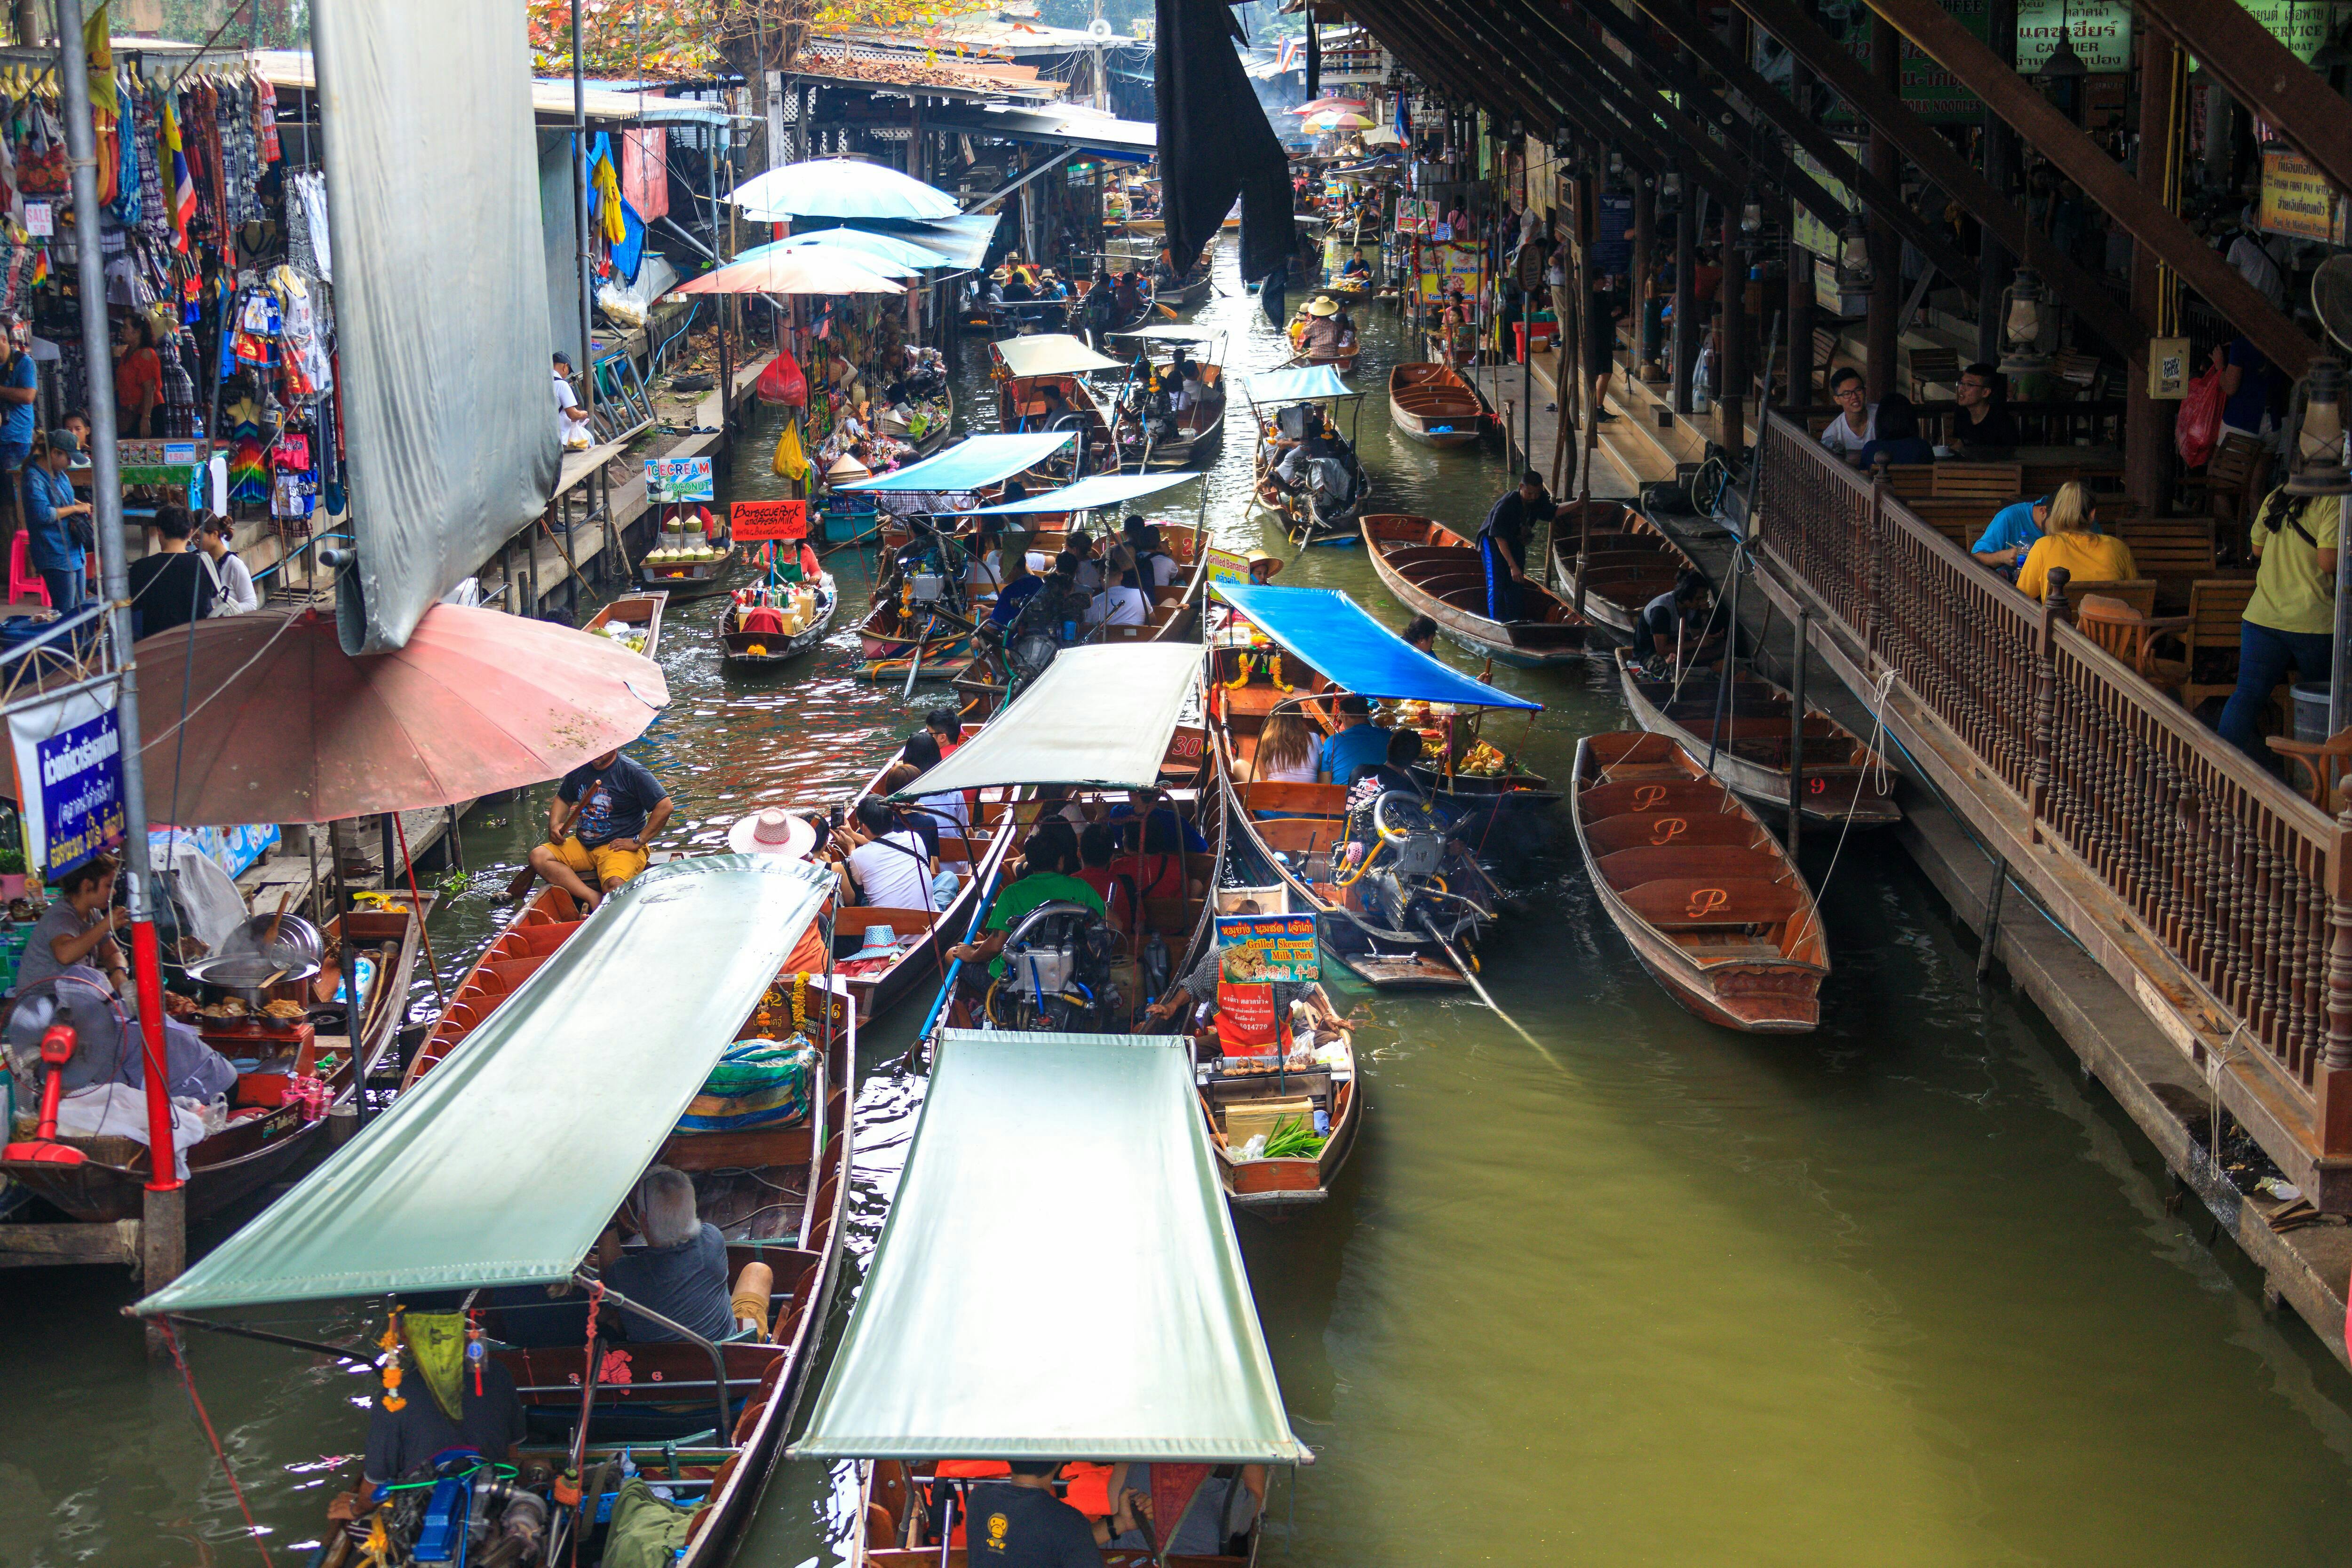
(680, 39)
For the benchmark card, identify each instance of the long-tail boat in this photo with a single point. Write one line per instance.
(1630, 562)
(488, 1179)
(1272, 395)
(947, 1368)
(274, 1125)
(546, 922)
(1710, 903)
(1430, 402)
(633, 620)
(1438, 573)
(1844, 779)
(753, 649)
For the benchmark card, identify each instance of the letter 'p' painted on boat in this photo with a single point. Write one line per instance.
(1665, 830)
(1706, 901)
(1649, 797)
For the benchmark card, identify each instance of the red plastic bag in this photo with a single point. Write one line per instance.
(2197, 430)
(783, 382)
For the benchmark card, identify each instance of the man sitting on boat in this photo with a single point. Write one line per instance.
(433, 1410)
(1018, 1523)
(1240, 1019)
(1356, 743)
(679, 1273)
(1122, 602)
(1152, 560)
(1049, 863)
(1677, 617)
(887, 864)
(602, 815)
(1502, 543)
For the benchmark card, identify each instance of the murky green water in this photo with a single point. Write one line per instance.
(1898, 1293)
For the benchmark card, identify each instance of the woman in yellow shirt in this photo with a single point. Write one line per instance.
(2068, 540)
(2291, 619)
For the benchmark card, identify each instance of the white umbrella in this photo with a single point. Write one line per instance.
(840, 188)
(789, 270)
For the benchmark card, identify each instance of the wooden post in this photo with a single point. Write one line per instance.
(1995, 265)
(1800, 332)
(1686, 341)
(2148, 424)
(1731, 347)
(1645, 225)
(2332, 1084)
(1798, 660)
(1880, 331)
(1991, 935)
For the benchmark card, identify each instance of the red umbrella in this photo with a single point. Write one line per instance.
(1320, 104)
(282, 726)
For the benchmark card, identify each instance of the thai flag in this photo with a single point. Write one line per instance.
(183, 198)
(1292, 56)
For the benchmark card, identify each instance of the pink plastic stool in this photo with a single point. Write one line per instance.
(24, 582)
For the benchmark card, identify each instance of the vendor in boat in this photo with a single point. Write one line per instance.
(79, 927)
(1240, 1019)
(679, 1273)
(1420, 633)
(1502, 544)
(1324, 337)
(1356, 743)
(1357, 267)
(1049, 864)
(604, 814)
(429, 1408)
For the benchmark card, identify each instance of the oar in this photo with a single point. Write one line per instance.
(1483, 996)
(915, 666)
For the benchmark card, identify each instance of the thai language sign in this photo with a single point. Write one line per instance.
(2102, 31)
(1258, 949)
(754, 522)
(69, 758)
(669, 480)
(2297, 200)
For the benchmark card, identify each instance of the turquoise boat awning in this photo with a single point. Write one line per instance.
(1356, 653)
(972, 463)
(1095, 490)
(1307, 383)
(1058, 1277)
(505, 1161)
(1099, 716)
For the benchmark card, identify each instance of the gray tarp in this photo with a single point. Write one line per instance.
(433, 181)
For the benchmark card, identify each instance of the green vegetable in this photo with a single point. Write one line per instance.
(1292, 1139)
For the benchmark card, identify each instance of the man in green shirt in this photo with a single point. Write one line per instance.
(1048, 859)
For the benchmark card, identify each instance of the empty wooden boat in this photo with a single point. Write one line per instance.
(1843, 778)
(634, 621)
(1710, 902)
(1629, 560)
(1438, 573)
(1431, 403)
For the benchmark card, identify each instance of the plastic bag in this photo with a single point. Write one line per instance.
(789, 461)
(783, 382)
(2197, 430)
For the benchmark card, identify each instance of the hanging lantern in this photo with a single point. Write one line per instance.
(2319, 436)
(2021, 326)
(1560, 142)
(1673, 183)
(1751, 217)
(1854, 257)
(2064, 63)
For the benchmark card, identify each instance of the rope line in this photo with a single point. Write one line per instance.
(172, 1339)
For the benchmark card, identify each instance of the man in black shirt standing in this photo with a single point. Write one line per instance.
(1502, 544)
(173, 586)
(1020, 1523)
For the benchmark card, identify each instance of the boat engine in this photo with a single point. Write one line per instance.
(1401, 874)
(1058, 964)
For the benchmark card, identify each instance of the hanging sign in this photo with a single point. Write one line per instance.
(1228, 566)
(1260, 949)
(2102, 31)
(2297, 200)
(671, 480)
(757, 522)
(40, 219)
(69, 756)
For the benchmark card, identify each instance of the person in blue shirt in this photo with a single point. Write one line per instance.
(2014, 529)
(19, 387)
(48, 504)
(1356, 743)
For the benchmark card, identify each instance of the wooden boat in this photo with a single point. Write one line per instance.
(1631, 560)
(1343, 362)
(1022, 408)
(1240, 1093)
(1302, 520)
(688, 578)
(1294, 829)
(890, 645)
(1844, 779)
(1430, 402)
(1187, 296)
(249, 1155)
(1438, 573)
(1710, 902)
(547, 920)
(1200, 430)
(760, 648)
(935, 432)
(639, 613)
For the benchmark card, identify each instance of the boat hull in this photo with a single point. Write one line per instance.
(736, 647)
(1430, 576)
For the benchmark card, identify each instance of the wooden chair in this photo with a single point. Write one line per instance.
(2136, 593)
(2320, 764)
(2166, 546)
(1962, 521)
(1940, 367)
(1912, 481)
(2000, 483)
(1825, 353)
(2232, 481)
(2216, 606)
(2131, 635)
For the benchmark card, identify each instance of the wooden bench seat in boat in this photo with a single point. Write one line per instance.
(1300, 835)
(1298, 799)
(1644, 798)
(1614, 834)
(1646, 863)
(1688, 904)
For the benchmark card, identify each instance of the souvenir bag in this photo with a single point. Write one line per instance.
(783, 382)
(2198, 429)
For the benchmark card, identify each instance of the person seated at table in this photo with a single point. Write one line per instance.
(1356, 743)
(1856, 426)
(1049, 863)
(1897, 436)
(436, 1412)
(679, 1273)
(1287, 748)
(1357, 267)
(604, 813)
(2013, 531)
(1676, 618)
(1985, 424)
(1420, 633)
(2074, 542)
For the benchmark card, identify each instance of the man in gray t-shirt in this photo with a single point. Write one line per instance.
(681, 1273)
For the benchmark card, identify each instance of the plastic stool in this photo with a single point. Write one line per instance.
(24, 582)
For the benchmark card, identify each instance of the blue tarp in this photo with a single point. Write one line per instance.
(1331, 631)
(1099, 490)
(978, 460)
(1308, 383)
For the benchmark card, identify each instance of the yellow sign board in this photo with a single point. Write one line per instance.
(2297, 200)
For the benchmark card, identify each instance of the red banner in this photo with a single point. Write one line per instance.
(755, 522)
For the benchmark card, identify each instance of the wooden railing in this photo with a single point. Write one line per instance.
(2242, 882)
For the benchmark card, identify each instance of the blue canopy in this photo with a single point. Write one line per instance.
(1331, 631)
(1097, 490)
(978, 460)
(1308, 383)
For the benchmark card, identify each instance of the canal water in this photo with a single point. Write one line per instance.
(1904, 1290)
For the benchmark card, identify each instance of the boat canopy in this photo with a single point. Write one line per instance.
(1356, 653)
(1095, 490)
(502, 1164)
(1058, 1277)
(975, 461)
(1307, 383)
(1051, 354)
(1174, 332)
(1061, 730)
